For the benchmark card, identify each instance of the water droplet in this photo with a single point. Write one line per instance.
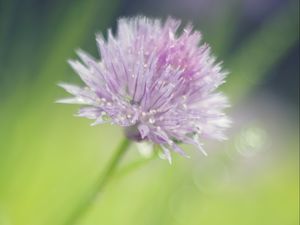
(127, 98)
(104, 116)
(170, 142)
(151, 120)
(153, 111)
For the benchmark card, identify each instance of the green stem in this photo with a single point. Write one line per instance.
(100, 185)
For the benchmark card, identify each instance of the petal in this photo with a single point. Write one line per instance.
(89, 112)
(72, 89)
(75, 100)
(144, 130)
(167, 153)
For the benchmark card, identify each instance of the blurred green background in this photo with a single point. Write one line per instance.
(50, 159)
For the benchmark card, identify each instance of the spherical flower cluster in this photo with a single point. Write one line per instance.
(156, 82)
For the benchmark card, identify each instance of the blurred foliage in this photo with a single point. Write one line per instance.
(49, 159)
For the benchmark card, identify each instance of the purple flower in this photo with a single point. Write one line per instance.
(155, 82)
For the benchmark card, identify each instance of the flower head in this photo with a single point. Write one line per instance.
(155, 82)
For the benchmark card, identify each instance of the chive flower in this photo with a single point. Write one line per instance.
(156, 81)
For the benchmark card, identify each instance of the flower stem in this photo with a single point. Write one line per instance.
(100, 185)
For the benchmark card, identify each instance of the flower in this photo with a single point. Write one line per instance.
(155, 82)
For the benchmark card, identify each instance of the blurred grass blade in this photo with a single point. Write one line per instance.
(261, 52)
(221, 35)
(72, 31)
